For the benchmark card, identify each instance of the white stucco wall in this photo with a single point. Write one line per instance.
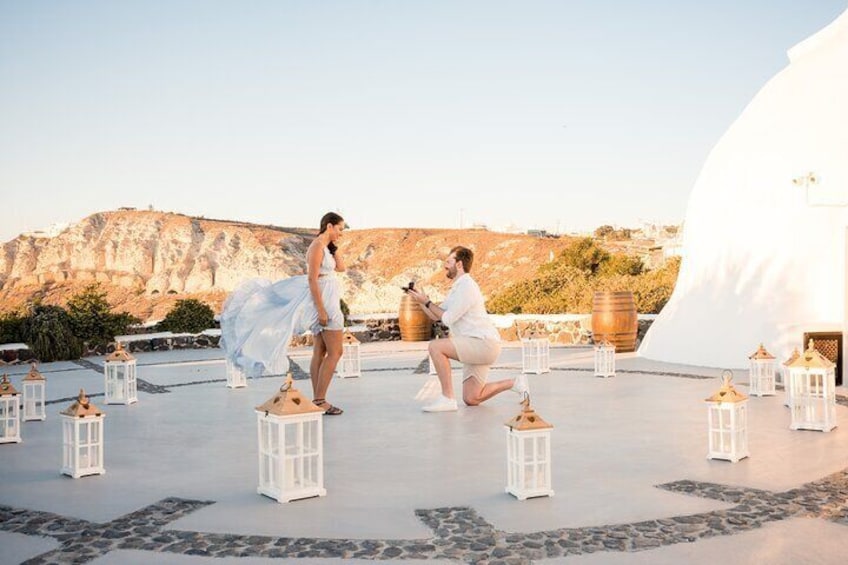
(761, 263)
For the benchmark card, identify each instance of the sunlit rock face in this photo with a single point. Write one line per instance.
(147, 260)
(764, 257)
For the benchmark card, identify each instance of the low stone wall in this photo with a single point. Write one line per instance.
(14, 353)
(170, 342)
(565, 329)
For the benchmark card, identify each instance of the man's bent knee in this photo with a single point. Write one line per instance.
(471, 389)
(469, 401)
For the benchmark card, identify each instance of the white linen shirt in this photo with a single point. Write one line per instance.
(465, 310)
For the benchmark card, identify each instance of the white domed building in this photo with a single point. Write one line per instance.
(767, 223)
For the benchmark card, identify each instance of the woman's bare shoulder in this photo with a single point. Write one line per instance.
(315, 248)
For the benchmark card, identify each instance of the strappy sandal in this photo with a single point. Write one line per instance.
(330, 410)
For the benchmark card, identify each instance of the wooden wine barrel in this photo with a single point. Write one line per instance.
(614, 319)
(414, 323)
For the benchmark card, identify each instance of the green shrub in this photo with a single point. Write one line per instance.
(188, 316)
(11, 327)
(92, 319)
(561, 289)
(621, 264)
(653, 289)
(568, 284)
(47, 331)
(583, 254)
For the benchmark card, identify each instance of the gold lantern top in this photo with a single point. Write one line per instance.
(812, 359)
(34, 375)
(120, 354)
(82, 407)
(349, 338)
(6, 388)
(727, 393)
(527, 419)
(795, 355)
(288, 402)
(761, 354)
(606, 344)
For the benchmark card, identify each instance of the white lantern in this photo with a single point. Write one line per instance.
(34, 394)
(10, 412)
(349, 364)
(535, 354)
(291, 446)
(528, 454)
(787, 377)
(605, 359)
(762, 377)
(727, 422)
(235, 376)
(813, 381)
(82, 438)
(119, 371)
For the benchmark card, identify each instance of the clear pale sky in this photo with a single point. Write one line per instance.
(558, 115)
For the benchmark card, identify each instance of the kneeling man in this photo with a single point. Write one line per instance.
(474, 341)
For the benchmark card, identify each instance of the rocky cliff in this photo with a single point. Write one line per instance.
(148, 260)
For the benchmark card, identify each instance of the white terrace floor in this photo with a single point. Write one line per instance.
(614, 440)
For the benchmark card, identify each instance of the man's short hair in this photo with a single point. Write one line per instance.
(464, 256)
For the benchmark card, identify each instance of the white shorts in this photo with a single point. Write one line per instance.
(476, 355)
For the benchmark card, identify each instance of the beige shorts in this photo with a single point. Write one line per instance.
(476, 355)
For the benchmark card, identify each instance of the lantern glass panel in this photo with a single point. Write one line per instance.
(301, 454)
(9, 417)
(85, 455)
(31, 400)
(535, 464)
(68, 443)
(721, 436)
(269, 451)
(512, 463)
(114, 384)
(131, 386)
(349, 364)
(762, 377)
(813, 400)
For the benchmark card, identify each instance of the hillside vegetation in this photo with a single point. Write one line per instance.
(568, 282)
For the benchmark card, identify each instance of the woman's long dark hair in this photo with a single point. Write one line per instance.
(330, 218)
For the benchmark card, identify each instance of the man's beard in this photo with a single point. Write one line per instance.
(451, 273)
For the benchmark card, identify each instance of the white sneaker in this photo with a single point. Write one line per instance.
(520, 385)
(442, 404)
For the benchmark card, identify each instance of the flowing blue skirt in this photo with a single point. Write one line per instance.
(260, 317)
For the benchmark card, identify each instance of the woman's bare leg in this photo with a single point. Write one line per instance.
(332, 343)
(319, 350)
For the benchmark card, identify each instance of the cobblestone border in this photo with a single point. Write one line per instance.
(460, 533)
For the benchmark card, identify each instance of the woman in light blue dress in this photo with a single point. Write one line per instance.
(260, 317)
